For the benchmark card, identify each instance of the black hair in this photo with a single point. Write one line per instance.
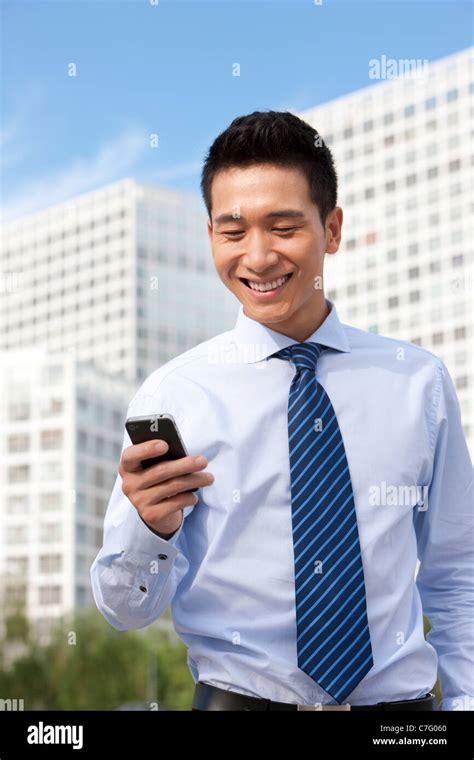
(274, 137)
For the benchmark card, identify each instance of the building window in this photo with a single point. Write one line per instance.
(99, 477)
(50, 595)
(80, 501)
(16, 504)
(18, 442)
(51, 407)
(50, 532)
(51, 439)
(51, 471)
(17, 566)
(50, 563)
(53, 374)
(19, 410)
(19, 473)
(17, 534)
(50, 502)
(100, 506)
(15, 595)
(81, 534)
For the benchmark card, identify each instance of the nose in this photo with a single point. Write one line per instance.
(259, 255)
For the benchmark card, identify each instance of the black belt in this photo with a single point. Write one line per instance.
(207, 697)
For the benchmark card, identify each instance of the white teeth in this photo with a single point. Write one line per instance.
(268, 285)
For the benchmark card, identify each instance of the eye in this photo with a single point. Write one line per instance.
(284, 229)
(232, 233)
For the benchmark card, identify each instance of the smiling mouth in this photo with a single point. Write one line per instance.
(268, 285)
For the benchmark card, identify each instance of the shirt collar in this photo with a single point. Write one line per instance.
(257, 342)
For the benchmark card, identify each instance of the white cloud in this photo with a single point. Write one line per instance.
(113, 160)
(178, 171)
(14, 144)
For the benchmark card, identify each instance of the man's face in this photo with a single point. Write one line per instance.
(266, 227)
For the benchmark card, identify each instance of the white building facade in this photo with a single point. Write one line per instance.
(61, 433)
(123, 275)
(403, 152)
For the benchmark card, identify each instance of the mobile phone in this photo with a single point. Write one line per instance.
(157, 426)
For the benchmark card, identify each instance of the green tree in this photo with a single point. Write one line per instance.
(88, 665)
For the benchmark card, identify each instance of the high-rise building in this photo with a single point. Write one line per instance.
(124, 275)
(61, 433)
(403, 152)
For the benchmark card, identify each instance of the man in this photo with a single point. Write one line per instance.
(337, 457)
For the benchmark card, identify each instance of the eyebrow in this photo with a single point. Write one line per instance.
(286, 213)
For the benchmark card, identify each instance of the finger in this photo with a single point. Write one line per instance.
(172, 469)
(132, 456)
(166, 507)
(175, 486)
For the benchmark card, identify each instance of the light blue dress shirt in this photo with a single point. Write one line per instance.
(228, 572)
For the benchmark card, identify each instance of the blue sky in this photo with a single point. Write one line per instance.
(167, 69)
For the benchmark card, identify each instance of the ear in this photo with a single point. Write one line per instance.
(209, 229)
(333, 230)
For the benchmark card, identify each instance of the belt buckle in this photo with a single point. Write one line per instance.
(319, 706)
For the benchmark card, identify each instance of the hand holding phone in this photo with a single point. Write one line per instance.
(159, 477)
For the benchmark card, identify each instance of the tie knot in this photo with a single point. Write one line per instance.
(303, 355)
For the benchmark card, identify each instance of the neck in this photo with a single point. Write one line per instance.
(304, 322)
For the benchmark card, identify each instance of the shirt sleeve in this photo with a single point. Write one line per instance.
(136, 573)
(444, 530)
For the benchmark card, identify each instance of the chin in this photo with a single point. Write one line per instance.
(267, 313)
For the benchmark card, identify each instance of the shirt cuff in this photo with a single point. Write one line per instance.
(141, 543)
(172, 539)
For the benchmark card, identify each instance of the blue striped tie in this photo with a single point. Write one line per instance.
(333, 640)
